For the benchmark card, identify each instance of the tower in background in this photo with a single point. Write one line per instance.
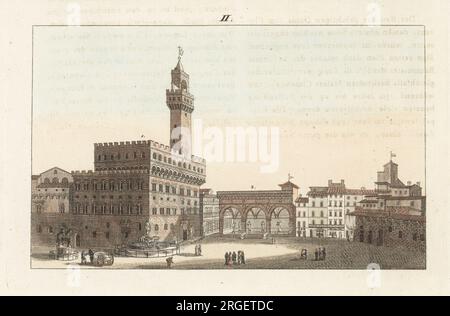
(181, 105)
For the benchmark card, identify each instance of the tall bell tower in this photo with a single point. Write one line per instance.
(181, 105)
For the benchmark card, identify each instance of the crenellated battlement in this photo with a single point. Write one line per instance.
(124, 143)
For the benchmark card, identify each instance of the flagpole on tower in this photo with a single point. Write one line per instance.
(393, 155)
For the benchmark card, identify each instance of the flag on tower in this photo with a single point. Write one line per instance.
(393, 155)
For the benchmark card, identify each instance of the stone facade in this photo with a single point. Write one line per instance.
(258, 212)
(394, 227)
(325, 210)
(210, 209)
(394, 215)
(133, 182)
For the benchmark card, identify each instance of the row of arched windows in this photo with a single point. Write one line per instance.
(55, 180)
(172, 189)
(119, 156)
(166, 227)
(189, 101)
(42, 196)
(171, 161)
(107, 209)
(105, 185)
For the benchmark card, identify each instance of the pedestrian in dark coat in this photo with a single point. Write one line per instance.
(323, 253)
(234, 257)
(91, 255)
(83, 257)
(226, 258)
(316, 254)
(242, 257)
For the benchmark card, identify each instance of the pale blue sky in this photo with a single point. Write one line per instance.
(343, 97)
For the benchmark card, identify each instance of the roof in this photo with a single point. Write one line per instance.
(359, 192)
(289, 183)
(318, 191)
(398, 184)
(55, 168)
(409, 197)
(368, 201)
(390, 163)
(394, 212)
(179, 66)
(302, 199)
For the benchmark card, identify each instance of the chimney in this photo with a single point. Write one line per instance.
(329, 182)
(342, 181)
(418, 183)
(363, 188)
(409, 183)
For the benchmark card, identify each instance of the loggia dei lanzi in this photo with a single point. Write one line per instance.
(226, 306)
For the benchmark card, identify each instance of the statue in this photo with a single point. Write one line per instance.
(180, 52)
(63, 238)
(147, 228)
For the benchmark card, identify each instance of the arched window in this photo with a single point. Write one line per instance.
(156, 227)
(55, 180)
(400, 234)
(154, 155)
(64, 180)
(50, 229)
(61, 208)
(39, 229)
(166, 226)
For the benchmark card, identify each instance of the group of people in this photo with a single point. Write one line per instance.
(198, 250)
(233, 258)
(90, 253)
(320, 253)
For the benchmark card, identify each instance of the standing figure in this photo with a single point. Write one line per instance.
(242, 257)
(323, 253)
(83, 257)
(199, 249)
(316, 254)
(226, 258)
(169, 262)
(91, 255)
(234, 257)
